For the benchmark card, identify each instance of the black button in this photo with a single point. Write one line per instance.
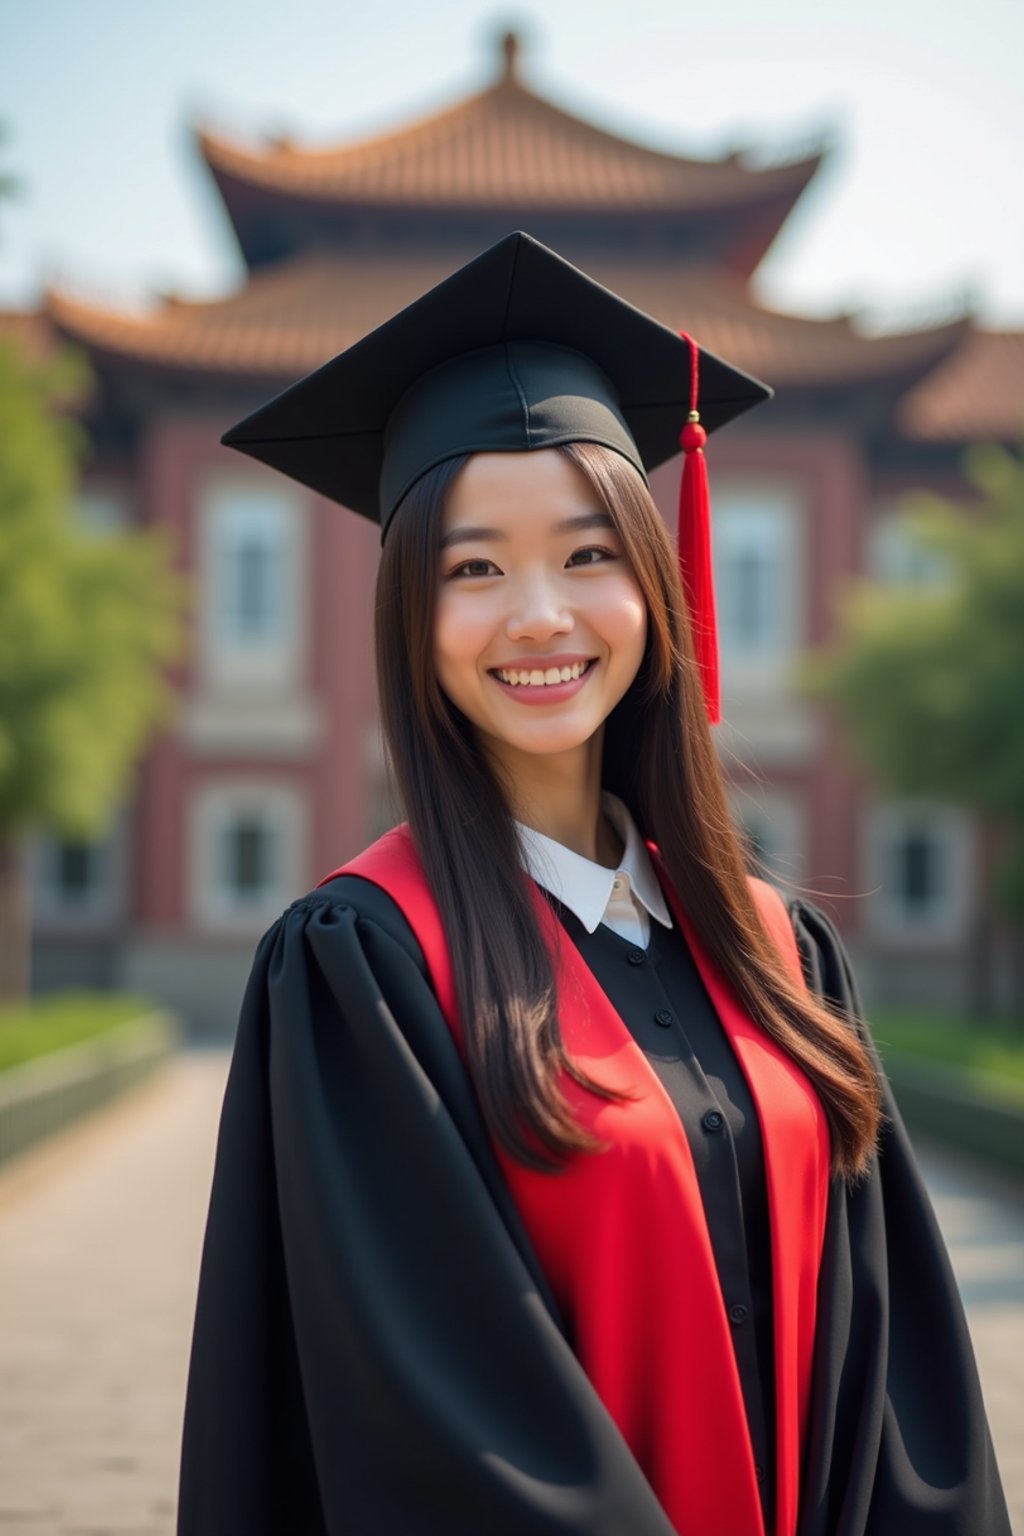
(663, 1017)
(636, 956)
(759, 1471)
(738, 1313)
(713, 1120)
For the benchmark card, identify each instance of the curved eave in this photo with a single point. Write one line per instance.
(504, 146)
(738, 232)
(896, 364)
(28, 331)
(122, 341)
(235, 169)
(290, 318)
(789, 351)
(977, 394)
(251, 197)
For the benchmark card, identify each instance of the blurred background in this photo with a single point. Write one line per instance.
(200, 203)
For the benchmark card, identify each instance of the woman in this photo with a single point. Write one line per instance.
(549, 1199)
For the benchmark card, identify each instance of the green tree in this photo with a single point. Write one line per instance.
(931, 677)
(88, 624)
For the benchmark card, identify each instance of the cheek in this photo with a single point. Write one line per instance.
(459, 638)
(627, 624)
(446, 636)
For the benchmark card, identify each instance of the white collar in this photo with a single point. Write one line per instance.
(585, 887)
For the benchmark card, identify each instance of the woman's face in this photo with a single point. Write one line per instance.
(541, 625)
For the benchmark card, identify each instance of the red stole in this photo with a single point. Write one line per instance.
(622, 1238)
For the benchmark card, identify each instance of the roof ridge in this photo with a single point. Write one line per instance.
(216, 146)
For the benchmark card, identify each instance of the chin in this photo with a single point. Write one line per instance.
(549, 742)
(551, 748)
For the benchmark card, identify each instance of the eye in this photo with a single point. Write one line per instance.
(592, 554)
(477, 567)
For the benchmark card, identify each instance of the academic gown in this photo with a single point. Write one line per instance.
(367, 1282)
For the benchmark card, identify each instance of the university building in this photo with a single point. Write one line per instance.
(271, 773)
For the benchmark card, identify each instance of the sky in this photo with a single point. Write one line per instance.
(918, 212)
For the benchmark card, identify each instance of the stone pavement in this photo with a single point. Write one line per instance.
(982, 1219)
(100, 1234)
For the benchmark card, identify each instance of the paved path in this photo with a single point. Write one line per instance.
(100, 1235)
(982, 1219)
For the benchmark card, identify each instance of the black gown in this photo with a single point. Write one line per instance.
(344, 1365)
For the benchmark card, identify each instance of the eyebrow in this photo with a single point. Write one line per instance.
(576, 524)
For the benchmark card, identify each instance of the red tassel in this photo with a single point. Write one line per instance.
(695, 563)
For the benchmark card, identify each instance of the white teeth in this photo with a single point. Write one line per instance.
(538, 679)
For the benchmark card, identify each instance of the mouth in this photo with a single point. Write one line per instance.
(542, 677)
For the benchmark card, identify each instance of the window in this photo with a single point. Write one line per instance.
(78, 880)
(253, 565)
(251, 586)
(758, 838)
(757, 578)
(771, 827)
(921, 869)
(917, 870)
(247, 855)
(76, 871)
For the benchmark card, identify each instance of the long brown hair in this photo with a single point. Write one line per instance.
(659, 758)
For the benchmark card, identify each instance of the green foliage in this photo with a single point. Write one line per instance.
(931, 677)
(29, 1030)
(988, 1049)
(88, 620)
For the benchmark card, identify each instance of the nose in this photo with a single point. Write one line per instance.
(538, 610)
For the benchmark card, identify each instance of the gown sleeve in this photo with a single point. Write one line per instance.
(375, 1350)
(900, 1444)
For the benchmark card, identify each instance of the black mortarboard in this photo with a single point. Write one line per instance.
(517, 350)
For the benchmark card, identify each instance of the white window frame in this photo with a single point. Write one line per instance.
(231, 505)
(770, 517)
(785, 817)
(212, 903)
(104, 902)
(889, 918)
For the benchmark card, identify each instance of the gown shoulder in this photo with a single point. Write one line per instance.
(826, 965)
(372, 908)
(375, 1347)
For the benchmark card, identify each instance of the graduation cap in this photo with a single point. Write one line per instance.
(516, 351)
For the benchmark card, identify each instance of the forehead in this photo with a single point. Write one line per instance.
(519, 486)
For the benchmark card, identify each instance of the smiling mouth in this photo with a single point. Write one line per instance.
(542, 677)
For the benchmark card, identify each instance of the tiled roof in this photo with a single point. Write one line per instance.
(503, 147)
(976, 393)
(785, 350)
(290, 318)
(29, 330)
